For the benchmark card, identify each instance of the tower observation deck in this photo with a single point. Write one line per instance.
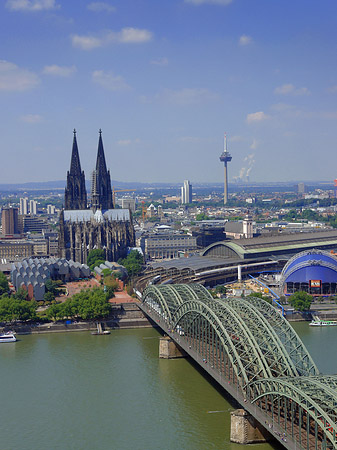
(225, 158)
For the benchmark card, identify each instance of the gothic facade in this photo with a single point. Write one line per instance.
(99, 225)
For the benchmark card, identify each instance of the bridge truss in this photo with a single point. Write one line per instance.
(249, 344)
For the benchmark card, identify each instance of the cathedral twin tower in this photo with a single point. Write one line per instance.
(75, 196)
(83, 228)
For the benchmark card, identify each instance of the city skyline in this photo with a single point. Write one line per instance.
(166, 80)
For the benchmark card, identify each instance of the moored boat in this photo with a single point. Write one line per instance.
(322, 323)
(9, 336)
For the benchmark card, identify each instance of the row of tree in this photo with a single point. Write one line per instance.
(89, 304)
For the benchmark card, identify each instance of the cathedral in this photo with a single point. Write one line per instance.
(84, 227)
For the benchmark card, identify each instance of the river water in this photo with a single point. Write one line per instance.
(78, 391)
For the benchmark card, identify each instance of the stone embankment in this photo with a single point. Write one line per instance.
(124, 316)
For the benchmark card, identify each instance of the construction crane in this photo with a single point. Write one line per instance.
(119, 190)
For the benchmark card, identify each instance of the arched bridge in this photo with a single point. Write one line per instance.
(253, 352)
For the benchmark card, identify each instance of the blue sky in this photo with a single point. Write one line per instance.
(164, 79)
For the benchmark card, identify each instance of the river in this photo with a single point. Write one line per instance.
(77, 391)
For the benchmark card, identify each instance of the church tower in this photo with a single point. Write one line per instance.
(101, 194)
(75, 196)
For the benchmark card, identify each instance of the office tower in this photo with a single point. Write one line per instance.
(9, 221)
(23, 206)
(50, 209)
(186, 193)
(33, 207)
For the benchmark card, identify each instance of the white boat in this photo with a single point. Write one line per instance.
(7, 337)
(322, 323)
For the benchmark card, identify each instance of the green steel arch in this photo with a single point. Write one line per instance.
(287, 336)
(311, 401)
(273, 349)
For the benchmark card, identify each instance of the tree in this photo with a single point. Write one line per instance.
(201, 216)
(95, 258)
(300, 301)
(12, 309)
(133, 262)
(3, 284)
(49, 297)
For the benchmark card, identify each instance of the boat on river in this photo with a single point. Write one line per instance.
(317, 322)
(9, 336)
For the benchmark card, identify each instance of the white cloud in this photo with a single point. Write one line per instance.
(125, 36)
(333, 89)
(31, 118)
(245, 40)
(31, 5)
(101, 7)
(86, 42)
(187, 96)
(133, 36)
(210, 2)
(258, 116)
(110, 81)
(59, 71)
(13, 78)
(160, 62)
(290, 89)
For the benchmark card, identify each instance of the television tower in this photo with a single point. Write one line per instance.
(225, 158)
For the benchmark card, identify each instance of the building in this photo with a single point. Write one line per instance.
(240, 229)
(301, 188)
(32, 274)
(9, 221)
(32, 207)
(282, 246)
(129, 203)
(23, 206)
(167, 245)
(83, 229)
(313, 271)
(186, 193)
(75, 195)
(50, 209)
(14, 249)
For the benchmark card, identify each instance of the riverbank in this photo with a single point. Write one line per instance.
(124, 316)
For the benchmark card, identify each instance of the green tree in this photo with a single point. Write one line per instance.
(201, 216)
(95, 257)
(12, 309)
(49, 297)
(300, 301)
(133, 262)
(3, 284)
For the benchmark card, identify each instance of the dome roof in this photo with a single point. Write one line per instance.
(311, 265)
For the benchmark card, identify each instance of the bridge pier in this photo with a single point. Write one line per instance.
(245, 429)
(168, 349)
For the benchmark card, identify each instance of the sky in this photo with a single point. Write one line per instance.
(164, 80)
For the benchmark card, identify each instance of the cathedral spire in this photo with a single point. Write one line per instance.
(75, 196)
(75, 165)
(101, 183)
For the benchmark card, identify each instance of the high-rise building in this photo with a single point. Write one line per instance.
(225, 158)
(75, 196)
(186, 193)
(32, 207)
(23, 206)
(9, 221)
(301, 188)
(50, 209)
